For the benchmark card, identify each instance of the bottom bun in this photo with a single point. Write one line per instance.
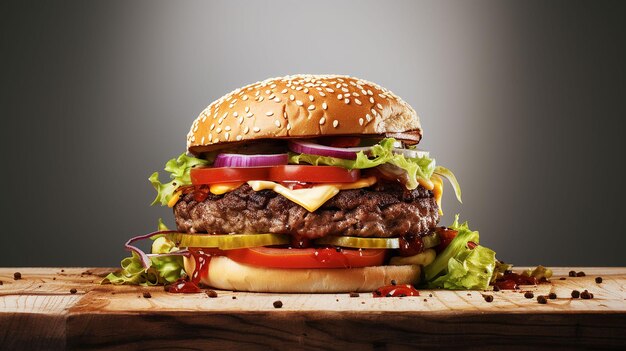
(226, 274)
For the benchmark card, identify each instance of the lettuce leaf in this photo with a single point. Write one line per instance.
(459, 267)
(381, 153)
(179, 169)
(164, 270)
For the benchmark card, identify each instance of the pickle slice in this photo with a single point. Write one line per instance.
(231, 241)
(430, 240)
(361, 243)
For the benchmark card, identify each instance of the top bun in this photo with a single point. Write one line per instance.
(303, 106)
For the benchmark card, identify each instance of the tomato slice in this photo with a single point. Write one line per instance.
(313, 174)
(308, 258)
(228, 174)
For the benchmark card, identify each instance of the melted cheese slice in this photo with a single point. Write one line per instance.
(437, 190)
(312, 198)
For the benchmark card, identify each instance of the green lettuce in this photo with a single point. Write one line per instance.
(179, 169)
(381, 153)
(164, 270)
(460, 267)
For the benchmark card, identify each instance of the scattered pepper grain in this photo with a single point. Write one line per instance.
(575, 294)
(147, 295)
(278, 304)
(542, 299)
(529, 295)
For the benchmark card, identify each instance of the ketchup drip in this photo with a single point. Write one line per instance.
(396, 291)
(512, 281)
(190, 284)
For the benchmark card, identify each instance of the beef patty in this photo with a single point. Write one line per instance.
(386, 209)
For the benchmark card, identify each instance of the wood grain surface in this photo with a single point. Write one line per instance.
(39, 311)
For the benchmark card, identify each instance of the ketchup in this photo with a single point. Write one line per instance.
(396, 291)
(190, 284)
(512, 281)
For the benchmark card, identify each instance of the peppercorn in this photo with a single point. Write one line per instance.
(354, 294)
(552, 296)
(147, 295)
(598, 280)
(278, 304)
(575, 294)
(529, 295)
(72, 291)
(393, 282)
(211, 293)
(585, 295)
(488, 298)
(542, 299)
(580, 274)
(572, 273)
(17, 275)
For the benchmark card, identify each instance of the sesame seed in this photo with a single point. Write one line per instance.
(299, 103)
(218, 130)
(240, 120)
(225, 114)
(371, 100)
(247, 109)
(345, 90)
(360, 121)
(271, 97)
(369, 92)
(346, 100)
(355, 94)
(219, 121)
(364, 92)
(339, 97)
(324, 106)
(273, 86)
(212, 126)
(276, 99)
(260, 98)
(256, 129)
(338, 86)
(357, 101)
(210, 137)
(202, 140)
(374, 112)
(285, 114)
(227, 128)
(368, 117)
(239, 137)
(322, 93)
(306, 90)
(244, 98)
(291, 97)
(335, 123)
(330, 90)
(288, 126)
(379, 106)
(249, 114)
(268, 92)
(277, 123)
(246, 130)
(226, 135)
(269, 113)
(311, 107)
(298, 88)
(322, 120)
(311, 98)
(235, 114)
(284, 91)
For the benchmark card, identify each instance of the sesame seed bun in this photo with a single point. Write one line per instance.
(226, 274)
(303, 106)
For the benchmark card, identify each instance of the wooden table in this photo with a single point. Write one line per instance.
(38, 311)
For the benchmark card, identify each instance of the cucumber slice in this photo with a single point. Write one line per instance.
(231, 241)
(361, 243)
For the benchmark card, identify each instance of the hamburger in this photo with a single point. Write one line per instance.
(304, 183)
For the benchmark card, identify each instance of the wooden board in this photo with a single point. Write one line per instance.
(39, 312)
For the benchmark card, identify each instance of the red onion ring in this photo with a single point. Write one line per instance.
(307, 147)
(145, 259)
(239, 160)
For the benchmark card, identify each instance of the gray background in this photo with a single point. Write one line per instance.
(525, 101)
